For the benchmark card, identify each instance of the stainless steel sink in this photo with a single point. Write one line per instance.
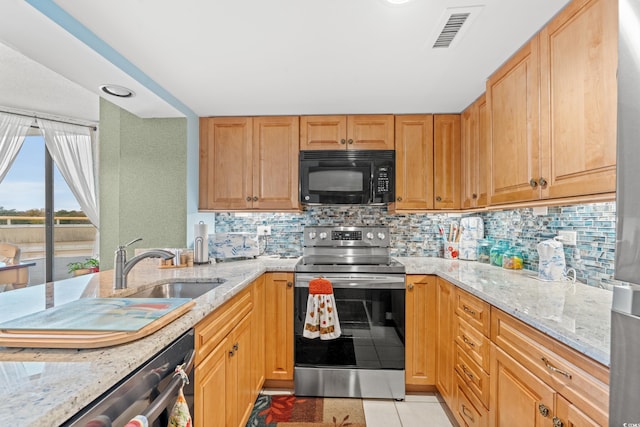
(178, 289)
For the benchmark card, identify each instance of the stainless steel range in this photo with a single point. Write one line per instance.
(368, 358)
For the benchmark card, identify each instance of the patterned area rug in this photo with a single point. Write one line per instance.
(289, 411)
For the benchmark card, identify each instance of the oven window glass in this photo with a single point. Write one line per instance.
(337, 180)
(372, 324)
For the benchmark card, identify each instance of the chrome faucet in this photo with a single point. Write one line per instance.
(122, 266)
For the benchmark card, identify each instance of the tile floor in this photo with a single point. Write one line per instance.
(416, 410)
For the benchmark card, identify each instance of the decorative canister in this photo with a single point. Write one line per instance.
(497, 251)
(484, 250)
(512, 259)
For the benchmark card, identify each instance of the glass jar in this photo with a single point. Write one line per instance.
(495, 255)
(484, 250)
(512, 259)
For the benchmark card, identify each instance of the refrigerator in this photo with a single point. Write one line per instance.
(624, 397)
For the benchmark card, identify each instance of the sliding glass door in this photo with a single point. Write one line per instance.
(39, 213)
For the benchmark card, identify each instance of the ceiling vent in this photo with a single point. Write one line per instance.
(453, 24)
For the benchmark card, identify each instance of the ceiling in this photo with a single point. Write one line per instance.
(257, 57)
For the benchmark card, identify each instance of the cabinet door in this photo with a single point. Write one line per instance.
(241, 359)
(484, 167)
(578, 63)
(275, 163)
(420, 345)
(518, 398)
(258, 334)
(211, 397)
(414, 160)
(370, 132)
(445, 341)
(226, 163)
(469, 134)
(570, 416)
(323, 132)
(446, 161)
(512, 100)
(279, 336)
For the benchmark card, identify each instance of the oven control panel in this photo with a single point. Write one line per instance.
(368, 236)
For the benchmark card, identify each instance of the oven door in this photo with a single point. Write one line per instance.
(370, 309)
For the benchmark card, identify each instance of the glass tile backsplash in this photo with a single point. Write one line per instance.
(417, 234)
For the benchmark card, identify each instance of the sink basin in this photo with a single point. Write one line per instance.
(178, 289)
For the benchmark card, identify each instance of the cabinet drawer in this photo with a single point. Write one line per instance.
(473, 310)
(581, 380)
(468, 408)
(472, 375)
(215, 327)
(472, 342)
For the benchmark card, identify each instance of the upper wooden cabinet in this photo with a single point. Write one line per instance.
(578, 101)
(552, 109)
(446, 161)
(359, 132)
(512, 102)
(414, 160)
(474, 155)
(249, 163)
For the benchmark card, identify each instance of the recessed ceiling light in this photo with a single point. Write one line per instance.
(119, 91)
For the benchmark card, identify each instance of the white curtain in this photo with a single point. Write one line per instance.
(13, 129)
(74, 150)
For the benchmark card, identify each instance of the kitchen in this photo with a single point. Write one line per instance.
(516, 222)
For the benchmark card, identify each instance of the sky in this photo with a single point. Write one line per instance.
(23, 187)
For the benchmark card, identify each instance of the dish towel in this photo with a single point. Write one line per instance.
(322, 317)
(180, 416)
(138, 421)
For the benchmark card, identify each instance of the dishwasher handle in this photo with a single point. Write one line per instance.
(161, 402)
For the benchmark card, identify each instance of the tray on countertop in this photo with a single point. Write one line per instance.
(93, 322)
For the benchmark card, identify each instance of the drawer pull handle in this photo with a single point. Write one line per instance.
(468, 310)
(467, 372)
(468, 413)
(557, 422)
(544, 411)
(554, 369)
(468, 341)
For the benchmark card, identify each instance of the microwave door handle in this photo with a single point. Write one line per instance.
(164, 399)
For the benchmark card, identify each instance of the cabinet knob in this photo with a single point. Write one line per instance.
(410, 286)
(343, 141)
(236, 347)
(438, 199)
(289, 284)
(533, 183)
(543, 182)
(544, 411)
(255, 198)
(474, 195)
(231, 353)
(399, 199)
(248, 198)
(557, 422)
(350, 141)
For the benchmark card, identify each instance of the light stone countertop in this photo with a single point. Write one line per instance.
(47, 386)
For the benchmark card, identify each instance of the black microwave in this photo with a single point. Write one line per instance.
(347, 177)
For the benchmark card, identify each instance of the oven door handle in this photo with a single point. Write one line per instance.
(355, 281)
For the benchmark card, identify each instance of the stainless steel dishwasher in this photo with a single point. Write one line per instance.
(151, 390)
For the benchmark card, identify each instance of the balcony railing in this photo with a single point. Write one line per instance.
(7, 220)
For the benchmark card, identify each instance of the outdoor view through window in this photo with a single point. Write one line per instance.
(22, 213)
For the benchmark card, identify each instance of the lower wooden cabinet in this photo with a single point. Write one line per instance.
(420, 332)
(279, 321)
(225, 378)
(258, 332)
(445, 341)
(518, 398)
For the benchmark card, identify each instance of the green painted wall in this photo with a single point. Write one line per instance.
(143, 181)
